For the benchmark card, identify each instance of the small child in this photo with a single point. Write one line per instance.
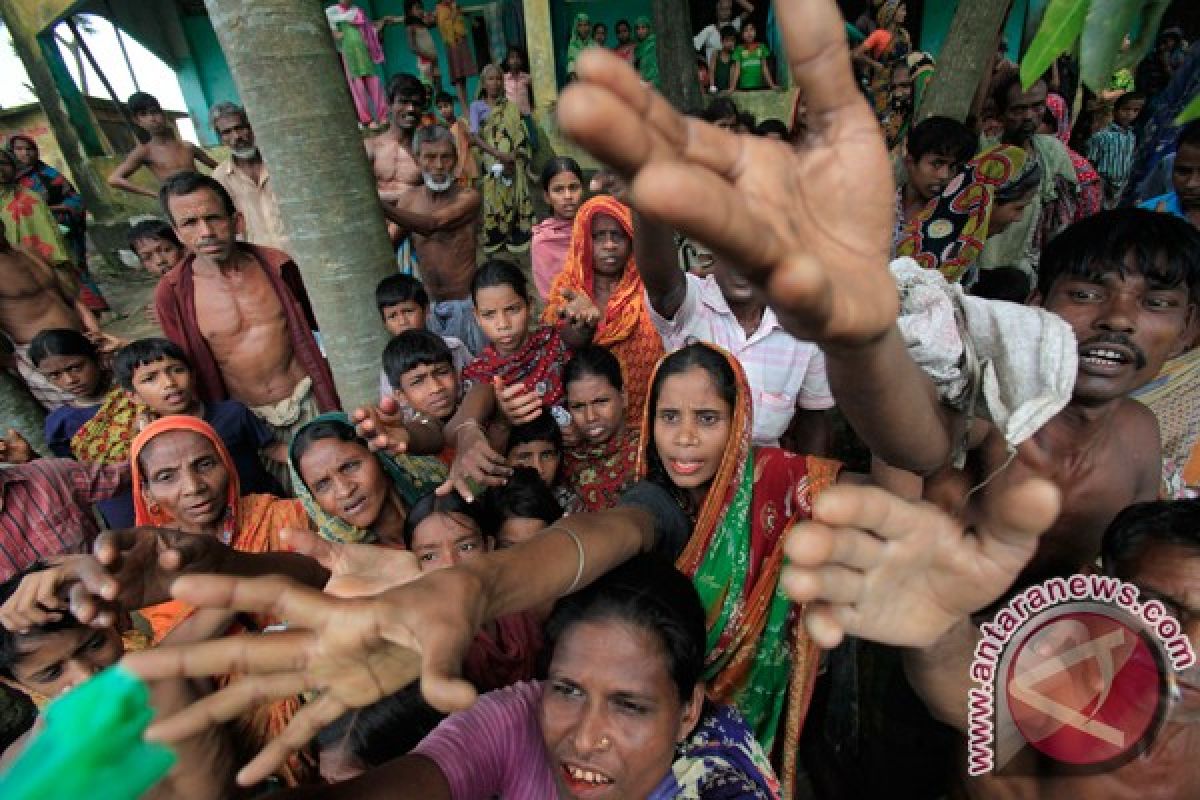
(99, 423)
(751, 68)
(419, 368)
(158, 249)
(562, 188)
(164, 154)
(468, 168)
(520, 509)
(600, 34)
(404, 306)
(156, 374)
(1112, 149)
(721, 68)
(516, 89)
(417, 22)
(604, 463)
(539, 446)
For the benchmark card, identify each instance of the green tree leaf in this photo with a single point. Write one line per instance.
(1190, 113)
(1061, 25)
(1103, 33)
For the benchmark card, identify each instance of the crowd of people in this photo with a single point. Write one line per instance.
(750, 417)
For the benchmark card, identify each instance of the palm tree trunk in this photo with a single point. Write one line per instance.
(282, 58)
(676, 54)
(19, 411)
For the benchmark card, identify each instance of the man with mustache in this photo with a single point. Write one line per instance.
(441, 216)
(244, 176)
(391, 153)
(240, 313)
(1054, 204)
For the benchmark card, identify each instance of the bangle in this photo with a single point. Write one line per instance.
(582, 557)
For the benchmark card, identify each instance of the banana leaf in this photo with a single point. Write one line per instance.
(1062, 24)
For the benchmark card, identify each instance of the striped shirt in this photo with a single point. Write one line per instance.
(45, 508)
(1111, 151)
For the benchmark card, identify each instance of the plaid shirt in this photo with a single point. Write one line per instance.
(45, 508)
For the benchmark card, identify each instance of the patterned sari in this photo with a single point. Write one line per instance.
(760, 659)
(625, 325)
(107, 436)
(411, 476)
(721, 760)
(251, 524)
(1091, 188)
(598, 475)
(538, 364)
(507, 201)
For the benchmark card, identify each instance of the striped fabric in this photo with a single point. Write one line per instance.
(1111, 151)
(45, 508)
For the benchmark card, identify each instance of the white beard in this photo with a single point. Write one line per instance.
(249, 154)
(437, 186)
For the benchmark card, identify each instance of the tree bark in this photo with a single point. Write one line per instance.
(282, 58)
(676, 55)
(19, 411)
(967, 53)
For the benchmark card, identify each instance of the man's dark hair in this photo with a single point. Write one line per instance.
(1127, 98)
(141, 352)
(1003, 283)
(184, 183)
(728, 31)
(142, 103)
(746, 120)
(942, 136)
(61, 342)
(769, 126)
(10, 641)
(541, 428)
(1003, 84)
(407, 84)
(721, 108)
(523, 496)
(1190, 135)
(594, 359)
(1164, 248)
(1141, 525)
(443, 97)
(152, 229)
(412, 349)
(400, 288)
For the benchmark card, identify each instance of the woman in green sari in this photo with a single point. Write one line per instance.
(506, 152)
(645, 57)
(353, 494)
(581, 37)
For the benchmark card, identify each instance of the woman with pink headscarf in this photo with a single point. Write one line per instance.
(1091, 189)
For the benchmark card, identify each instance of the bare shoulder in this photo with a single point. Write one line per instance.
(1140, 444)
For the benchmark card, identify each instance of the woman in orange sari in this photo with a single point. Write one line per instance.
(184, 478)
(696, 444)
(600, 264)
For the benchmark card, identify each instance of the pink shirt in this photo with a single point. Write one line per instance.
(516, 88)
(551, 240)
(494, 748)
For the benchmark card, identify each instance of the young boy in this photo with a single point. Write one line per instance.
(163, 154)
(158, 249)
(539, 445)
(419, 370)
(720, 69)
(1112, 149)
(156, 373)
(936, 150)
(467, 169)
(404, 306)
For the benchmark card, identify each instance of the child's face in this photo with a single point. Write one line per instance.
(53, 663)
(407, 315)
(157, 256)
(430, 389)
(728, 43)
(447, 112)
(564, 194)
(597, 408)
(1128, 113)
(444, 540)
(600, 35)
(152, 121)
(623, 34)
(516, 530)
(514, 62)
(748, 33)
(76, 375)
(540, 455)
(504, 317)
(164, 386)
(642, 32)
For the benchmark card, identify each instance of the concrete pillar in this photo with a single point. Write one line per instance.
(539, 39)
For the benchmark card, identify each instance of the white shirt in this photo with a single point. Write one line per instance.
(709, 39)
(783, 371)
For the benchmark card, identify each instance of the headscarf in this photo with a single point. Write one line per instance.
(625, 325)
(759, 656)
(411, 476)
(646, 52)
(950, 232)
(721, 752)
(886, 14)
(577, 44)
(920, 66)
(1058, 107)
(1091, 188)
(599, 474)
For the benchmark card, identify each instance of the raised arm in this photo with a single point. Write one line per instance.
(132, 163)
(654, 251)
(203, 157)
(463, 210)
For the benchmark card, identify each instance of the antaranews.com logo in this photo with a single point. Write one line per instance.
(1078, 668)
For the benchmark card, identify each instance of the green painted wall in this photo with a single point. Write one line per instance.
(204, 77)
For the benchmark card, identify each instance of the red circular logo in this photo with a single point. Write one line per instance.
(1085, 688)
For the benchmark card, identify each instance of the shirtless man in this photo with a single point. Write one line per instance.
(164, 154)
(442, 217)
(391, 153)
(240, 313)
(33, 298)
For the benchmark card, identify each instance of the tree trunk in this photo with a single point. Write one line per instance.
(282, 58)
(970, 45)
(19, 411)
(676, 55)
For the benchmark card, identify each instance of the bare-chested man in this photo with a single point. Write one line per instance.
(240, 312)
(34, 298)
(391, 153)
(442, 218)
(164, 154)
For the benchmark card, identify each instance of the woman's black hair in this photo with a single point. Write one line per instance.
(523, 496)
(694, 355)
(430, 504)
(61, 342)
(557, 166)
(318, 431)
(386, 729)
(649, 592)
(595, 360)
(497, 272)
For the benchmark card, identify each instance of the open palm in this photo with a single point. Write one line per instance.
(811, 224)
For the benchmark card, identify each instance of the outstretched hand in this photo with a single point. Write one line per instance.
(517, 402)
(351, 652)
(476, 465)
(355, 570)
(810, 224)
(902, 573)
(382, 426)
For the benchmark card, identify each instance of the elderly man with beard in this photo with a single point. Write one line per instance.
(244, 176)
(442, 218)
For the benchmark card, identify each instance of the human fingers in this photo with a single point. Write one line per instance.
(823, 625)
(389, 405)
(225, 704)
(1009, 532)
(442, 648)
(830, 583)
(247, 654)
(814, 37)
(811, 544)
(871, 509)
(307, 543)
(300, 730)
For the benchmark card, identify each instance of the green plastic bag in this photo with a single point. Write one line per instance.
(91, 745)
